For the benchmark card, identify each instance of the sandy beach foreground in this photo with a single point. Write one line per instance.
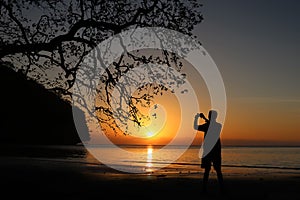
(46, 178)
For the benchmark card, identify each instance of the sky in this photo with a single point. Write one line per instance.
(256, 46)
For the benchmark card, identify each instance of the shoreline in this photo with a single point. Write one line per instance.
(81, 154)
(71, 172)
(76, 180)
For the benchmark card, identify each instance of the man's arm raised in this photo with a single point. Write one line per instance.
(202, 127)
(196, 121)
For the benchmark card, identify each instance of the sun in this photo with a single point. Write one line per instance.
(150, 134)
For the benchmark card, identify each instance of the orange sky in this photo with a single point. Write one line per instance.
(258, 58)
(249, 121)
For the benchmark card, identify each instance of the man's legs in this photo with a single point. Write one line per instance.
(205, 177)
(220, 177)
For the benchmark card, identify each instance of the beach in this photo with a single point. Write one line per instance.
(46, 177)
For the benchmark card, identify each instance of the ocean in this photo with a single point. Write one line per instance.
(154, 158)
(149, 159)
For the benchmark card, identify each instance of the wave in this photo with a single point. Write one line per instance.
(225, 165)
(138, 163)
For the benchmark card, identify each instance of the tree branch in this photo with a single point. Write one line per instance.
(10, 13)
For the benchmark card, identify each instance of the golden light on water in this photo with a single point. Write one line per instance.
(149, 163)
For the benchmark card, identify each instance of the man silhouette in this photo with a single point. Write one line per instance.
(211, 154)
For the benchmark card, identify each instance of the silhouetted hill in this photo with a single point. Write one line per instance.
(33, 115)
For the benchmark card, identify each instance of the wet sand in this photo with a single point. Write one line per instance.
(46, 178)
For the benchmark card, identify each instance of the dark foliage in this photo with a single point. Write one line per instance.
(33, 115)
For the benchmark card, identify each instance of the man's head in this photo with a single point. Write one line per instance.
(212, 115)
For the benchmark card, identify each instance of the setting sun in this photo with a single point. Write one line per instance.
(150, 134)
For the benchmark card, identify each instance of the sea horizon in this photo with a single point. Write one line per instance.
(192, 145)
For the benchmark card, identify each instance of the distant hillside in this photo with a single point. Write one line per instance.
(33, 115)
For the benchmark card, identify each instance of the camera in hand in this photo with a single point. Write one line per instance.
(201, 115)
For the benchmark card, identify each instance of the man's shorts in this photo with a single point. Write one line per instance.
(208, 161)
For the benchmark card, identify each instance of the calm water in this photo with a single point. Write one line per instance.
(145, 158)
(151, 158)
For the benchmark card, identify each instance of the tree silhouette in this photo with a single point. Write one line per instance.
(47, 40)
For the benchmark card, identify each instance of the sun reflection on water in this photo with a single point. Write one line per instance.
(149, 163)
